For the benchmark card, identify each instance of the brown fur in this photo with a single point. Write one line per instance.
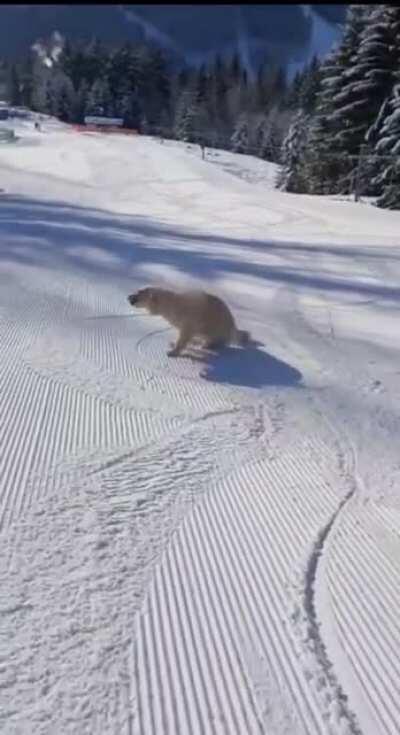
(195, 314)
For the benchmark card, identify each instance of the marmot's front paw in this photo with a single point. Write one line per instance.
(173, 353)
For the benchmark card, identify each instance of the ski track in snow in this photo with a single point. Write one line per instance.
(226, 567)
(200, 545)
(352, 600)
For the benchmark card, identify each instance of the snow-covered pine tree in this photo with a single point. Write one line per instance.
(322, 168)
(389, 145)
(165, 124)
(233, 104)
(63, 96)
(130, 111)
(14, 86)
(95, 62)
(40, 97)
(117, 71)
(80, 102)
(69, 63)
(108, 99)
(144, 125)
(258, 138)
(50, 98)
(99, 100)
(240, 135)
(217, 105)
(202, 123)
(135, 73)
(94, 104)
(309, 86)
(326, 163)
(26, 81)
(368, 79)
(185, 117)
(158, 92)
(291, 176)
(274, 129)
(263, 88)
(389, 19)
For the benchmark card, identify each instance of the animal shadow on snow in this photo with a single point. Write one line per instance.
(249, 367)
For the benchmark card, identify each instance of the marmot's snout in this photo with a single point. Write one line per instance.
(132, 299)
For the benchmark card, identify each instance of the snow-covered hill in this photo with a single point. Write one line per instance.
(206, 544)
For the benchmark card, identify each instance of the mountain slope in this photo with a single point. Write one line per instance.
(208, 543)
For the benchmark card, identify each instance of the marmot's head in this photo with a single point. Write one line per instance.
(146, 298)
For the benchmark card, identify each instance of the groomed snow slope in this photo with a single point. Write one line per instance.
(205, 545)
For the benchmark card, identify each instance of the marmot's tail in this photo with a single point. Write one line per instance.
(242, 337)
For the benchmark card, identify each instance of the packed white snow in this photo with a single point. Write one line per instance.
(207, 544)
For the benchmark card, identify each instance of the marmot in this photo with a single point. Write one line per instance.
(195, 314)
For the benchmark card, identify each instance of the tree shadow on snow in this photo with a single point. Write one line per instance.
(101, 243)
(249, 367)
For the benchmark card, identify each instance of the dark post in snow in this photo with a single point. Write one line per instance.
(202, 144)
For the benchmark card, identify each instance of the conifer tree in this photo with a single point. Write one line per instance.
(326, 160)
(368, 79)
(389, 145)
(14, 86)
(291, 177)
(185, 119)
(240, 135)
(63, 97)
(80, 104)
(309, 86)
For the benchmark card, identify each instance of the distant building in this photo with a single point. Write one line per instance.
(105, 124)
(20, 112)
